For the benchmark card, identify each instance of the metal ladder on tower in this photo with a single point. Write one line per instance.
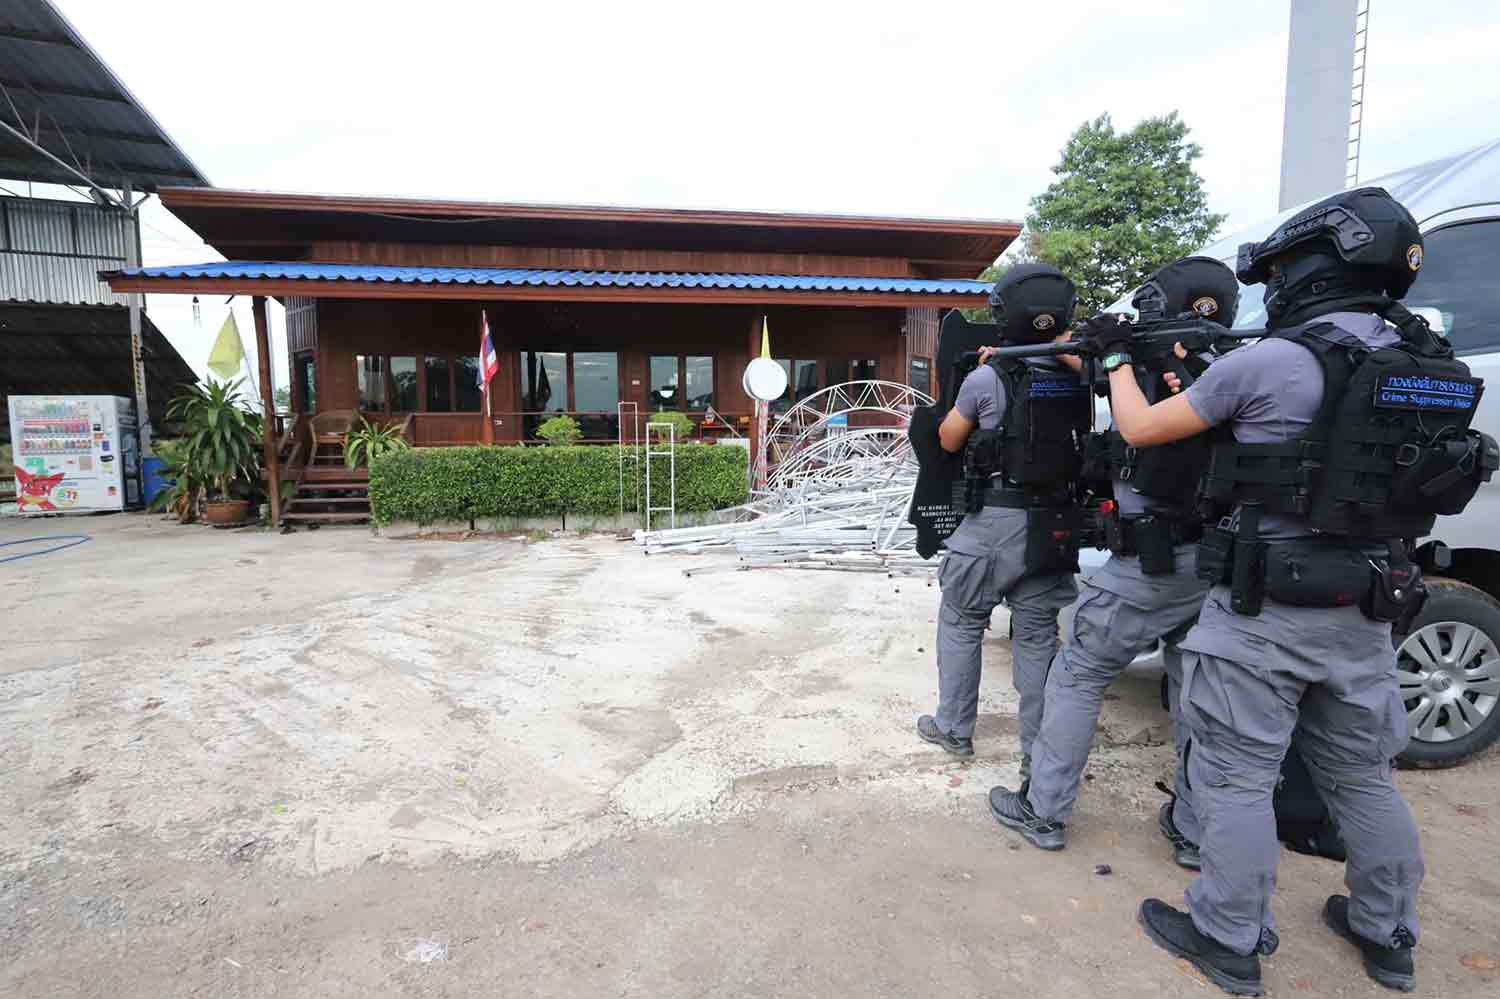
(1357, 92)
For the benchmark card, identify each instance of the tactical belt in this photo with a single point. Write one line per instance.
(1024, 499)
(1316, 571)
(1127, 536)
(1153, 537)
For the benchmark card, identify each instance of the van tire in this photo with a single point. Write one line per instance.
(1450, 601)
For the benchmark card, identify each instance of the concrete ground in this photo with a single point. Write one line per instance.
(246, 764)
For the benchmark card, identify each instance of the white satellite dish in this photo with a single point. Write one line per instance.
(764, 380)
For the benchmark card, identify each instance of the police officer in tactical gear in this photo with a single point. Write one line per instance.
(1148, 588)
(1340, 438)
(1019, 425)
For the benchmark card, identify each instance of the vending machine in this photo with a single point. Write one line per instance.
(75, 453)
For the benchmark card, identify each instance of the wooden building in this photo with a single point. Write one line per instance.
(588, 306)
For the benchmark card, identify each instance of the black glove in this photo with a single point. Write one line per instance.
(1106, 335)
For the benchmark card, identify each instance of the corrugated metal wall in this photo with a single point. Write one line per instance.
(52, 251)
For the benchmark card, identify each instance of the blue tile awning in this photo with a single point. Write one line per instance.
(510, 277)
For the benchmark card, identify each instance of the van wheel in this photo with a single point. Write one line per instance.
(1449, 670)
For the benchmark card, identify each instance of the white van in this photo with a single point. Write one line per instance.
(1450, 667)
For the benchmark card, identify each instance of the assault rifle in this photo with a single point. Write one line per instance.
(1151, 341)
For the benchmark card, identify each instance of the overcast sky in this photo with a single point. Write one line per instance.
(931, 108)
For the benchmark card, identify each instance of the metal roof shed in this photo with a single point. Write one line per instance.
(65, 118)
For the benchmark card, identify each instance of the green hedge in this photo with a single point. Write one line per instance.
(466, 483)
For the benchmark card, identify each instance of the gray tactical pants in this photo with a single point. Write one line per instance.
(984, 567)
(1123, 611)
(1326, 679)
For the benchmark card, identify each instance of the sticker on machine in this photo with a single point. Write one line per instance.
(1426, 392)
(42, 492)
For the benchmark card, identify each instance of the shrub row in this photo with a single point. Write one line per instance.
(466, 483)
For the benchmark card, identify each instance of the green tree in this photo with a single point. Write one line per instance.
(1123, 204)
(282, 398)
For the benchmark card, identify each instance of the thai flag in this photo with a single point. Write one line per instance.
(489, 363)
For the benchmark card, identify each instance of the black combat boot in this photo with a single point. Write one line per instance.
(1184, 850)
(1012, 810)
(927, 728)
(1389, 964)
(1173, 931)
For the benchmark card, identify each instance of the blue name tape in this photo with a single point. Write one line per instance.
(1422, 392)
(1056, 388)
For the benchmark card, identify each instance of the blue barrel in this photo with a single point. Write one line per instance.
(152, 479)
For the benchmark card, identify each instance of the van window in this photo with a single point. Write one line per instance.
(1251, 315)
(1458, 279)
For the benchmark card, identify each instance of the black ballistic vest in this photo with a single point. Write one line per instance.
(1047, 413)
(1166, 472)
(1389, 449)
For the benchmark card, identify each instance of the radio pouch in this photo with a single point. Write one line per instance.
(1153, 544)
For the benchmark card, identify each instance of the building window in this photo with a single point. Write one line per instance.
(699, 392)
(370, 373)
(467, 395)
(862, 371)
(403, 384)
(306, 382)
(439, 391)
(545, 385)
(681, 382)
(801, 382)
(664, 380)
(921, 375)
(596, 393)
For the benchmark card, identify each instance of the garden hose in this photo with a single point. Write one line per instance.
(68, 541)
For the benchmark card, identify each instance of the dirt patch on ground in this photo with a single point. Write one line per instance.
(561, 768)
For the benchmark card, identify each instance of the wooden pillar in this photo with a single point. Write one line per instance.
(754, 430)
(267, 404)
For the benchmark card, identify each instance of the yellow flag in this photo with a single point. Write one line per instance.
(765, 337)
(228, 355)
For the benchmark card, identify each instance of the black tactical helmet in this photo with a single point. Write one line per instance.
(1200, 285)
(1032, 302)
(1366, 230)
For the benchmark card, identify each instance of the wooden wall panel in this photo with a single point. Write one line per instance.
(564, 258)
(301, 324)
(729, 334)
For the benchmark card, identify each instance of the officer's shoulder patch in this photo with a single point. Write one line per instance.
(1043, 321)
(1206, 306)
(1414, 256)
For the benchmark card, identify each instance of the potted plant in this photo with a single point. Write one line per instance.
(368, 442)
(220, 446)
(184, 486)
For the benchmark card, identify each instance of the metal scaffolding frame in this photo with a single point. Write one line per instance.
(671, 455)
(837, 497)
(634, 446)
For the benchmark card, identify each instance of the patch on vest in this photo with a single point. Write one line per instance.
(1414, 256)
(1423, 392)
(1206, 306)
(1056, 388)
(1043, 322)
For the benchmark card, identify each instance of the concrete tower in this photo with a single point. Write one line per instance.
(1315, 146)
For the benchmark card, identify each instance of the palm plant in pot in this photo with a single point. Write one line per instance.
(221, 441)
